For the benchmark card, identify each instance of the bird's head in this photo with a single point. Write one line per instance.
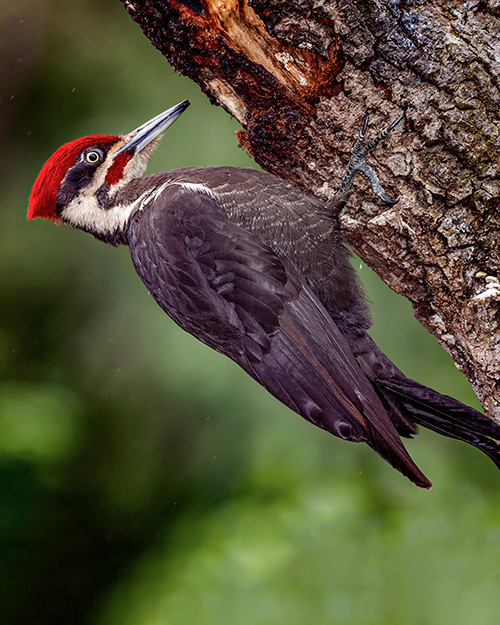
(80, 183)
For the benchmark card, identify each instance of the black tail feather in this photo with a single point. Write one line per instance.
(440, 413)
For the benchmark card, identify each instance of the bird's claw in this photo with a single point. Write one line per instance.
(387, 200)
(357, 161)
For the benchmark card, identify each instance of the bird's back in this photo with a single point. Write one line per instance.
(297, 226)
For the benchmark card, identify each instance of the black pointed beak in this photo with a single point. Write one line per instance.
(142, 136)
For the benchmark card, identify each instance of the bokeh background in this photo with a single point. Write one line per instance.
(146, 480)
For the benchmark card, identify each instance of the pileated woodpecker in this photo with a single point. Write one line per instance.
(257, 270)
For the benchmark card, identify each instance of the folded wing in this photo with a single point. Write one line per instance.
(219, 282)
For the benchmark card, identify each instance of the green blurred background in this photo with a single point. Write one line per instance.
(146, 480)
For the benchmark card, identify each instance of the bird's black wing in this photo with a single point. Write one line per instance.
(219, 282)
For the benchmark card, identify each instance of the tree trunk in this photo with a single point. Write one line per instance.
(299, 76)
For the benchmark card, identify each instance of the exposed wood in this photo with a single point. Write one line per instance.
(299, 76)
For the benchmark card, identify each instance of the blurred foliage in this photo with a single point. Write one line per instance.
(145, 479)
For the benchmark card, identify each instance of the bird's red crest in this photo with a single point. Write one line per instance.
(43, 196)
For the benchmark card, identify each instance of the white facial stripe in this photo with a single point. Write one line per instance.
(85, 212)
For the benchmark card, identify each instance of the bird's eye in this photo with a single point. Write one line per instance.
(93, 157)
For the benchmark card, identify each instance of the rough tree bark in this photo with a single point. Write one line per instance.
(300, 74)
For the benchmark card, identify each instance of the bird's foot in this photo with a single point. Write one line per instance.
(357, 162)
